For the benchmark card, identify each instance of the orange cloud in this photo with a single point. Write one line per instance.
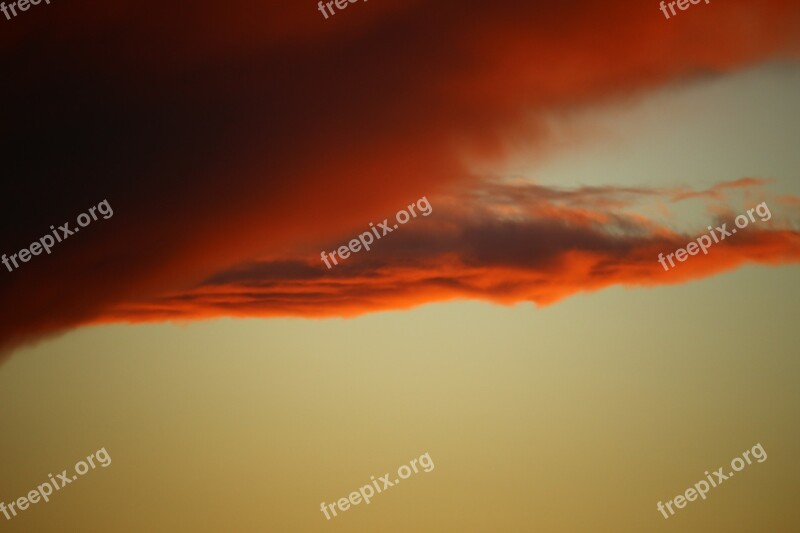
(223, 133)
(547, 248)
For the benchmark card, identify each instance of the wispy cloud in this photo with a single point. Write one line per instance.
(502, 243)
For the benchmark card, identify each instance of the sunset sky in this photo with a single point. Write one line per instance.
(523, 334)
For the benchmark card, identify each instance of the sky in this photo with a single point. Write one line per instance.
(523, 333)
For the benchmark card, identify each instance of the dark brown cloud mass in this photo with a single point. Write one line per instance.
(225, 133)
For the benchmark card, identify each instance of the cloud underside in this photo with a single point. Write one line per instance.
(504, 243)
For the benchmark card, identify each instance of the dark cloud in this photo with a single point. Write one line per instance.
(223, 132)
